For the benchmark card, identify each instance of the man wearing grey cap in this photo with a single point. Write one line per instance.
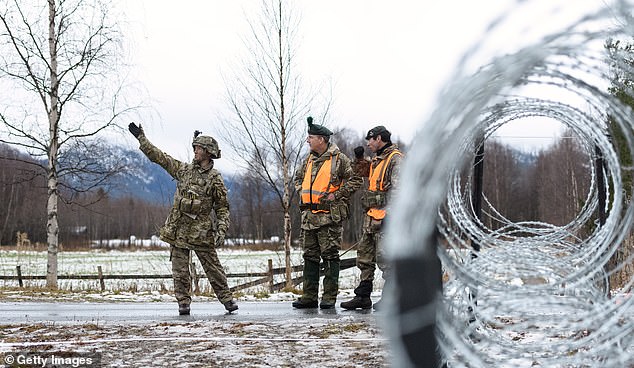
(325, 181)
(383, 178)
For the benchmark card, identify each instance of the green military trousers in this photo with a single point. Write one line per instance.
(322, 243)
(212, 267)
(370, 252)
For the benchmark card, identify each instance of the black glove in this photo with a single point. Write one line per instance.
(358, 152)
(135, 130)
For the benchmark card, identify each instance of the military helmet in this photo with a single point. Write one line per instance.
(208, 143)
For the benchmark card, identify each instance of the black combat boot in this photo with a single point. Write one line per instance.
(331, 283)
(301, 304)
(325, 304)
(231, 305)
(358, 302)
(183, 309)
(361, 299)
(310, 286)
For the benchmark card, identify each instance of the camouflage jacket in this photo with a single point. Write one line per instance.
(361, 167)
(343, 176)
(379, 198)
(393, 169)
(199, 193)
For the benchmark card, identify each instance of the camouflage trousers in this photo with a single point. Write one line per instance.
(212, 267)
(322, 243)
(370, 252)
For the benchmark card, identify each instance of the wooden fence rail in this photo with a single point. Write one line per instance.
(263, 277)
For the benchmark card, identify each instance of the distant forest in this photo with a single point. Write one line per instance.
(548, 186)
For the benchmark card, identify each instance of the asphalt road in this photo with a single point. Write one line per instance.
(32, 312)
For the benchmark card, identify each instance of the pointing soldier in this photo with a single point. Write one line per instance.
(325, 181)
(382, 180)
(189, 225)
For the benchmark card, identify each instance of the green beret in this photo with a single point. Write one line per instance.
(377, 131)
(316, 129)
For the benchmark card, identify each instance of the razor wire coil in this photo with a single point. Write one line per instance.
(531, 293)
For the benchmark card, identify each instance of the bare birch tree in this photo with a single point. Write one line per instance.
(58, 64)
(269, 103)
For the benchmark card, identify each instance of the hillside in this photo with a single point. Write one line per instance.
(139, 178)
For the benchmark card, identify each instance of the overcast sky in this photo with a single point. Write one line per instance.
(387, 59)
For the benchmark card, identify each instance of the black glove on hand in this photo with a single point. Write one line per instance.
(135, 130)
(358, 152)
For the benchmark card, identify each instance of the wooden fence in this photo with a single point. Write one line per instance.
(261, 277)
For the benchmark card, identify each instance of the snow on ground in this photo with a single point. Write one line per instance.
(288, 342)
(45, 295)
(291, 342)
(152, 262)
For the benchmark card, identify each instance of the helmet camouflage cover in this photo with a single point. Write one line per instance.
(209, 144)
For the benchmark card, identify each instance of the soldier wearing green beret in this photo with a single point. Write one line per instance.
(324, 181)
(189, 226)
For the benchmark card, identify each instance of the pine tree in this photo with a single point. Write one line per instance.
(621, 59)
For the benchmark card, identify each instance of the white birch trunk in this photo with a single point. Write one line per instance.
(52, 226)
(286, 199)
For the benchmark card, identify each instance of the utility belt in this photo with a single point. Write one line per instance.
(372, 199)
(314, 206)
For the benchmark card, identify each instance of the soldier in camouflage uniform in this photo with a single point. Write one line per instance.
(382, 179)
(325, 181)
(190, 225)
(361, 164)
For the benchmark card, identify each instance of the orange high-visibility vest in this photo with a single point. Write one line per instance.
(377, 175)
(314, 190)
